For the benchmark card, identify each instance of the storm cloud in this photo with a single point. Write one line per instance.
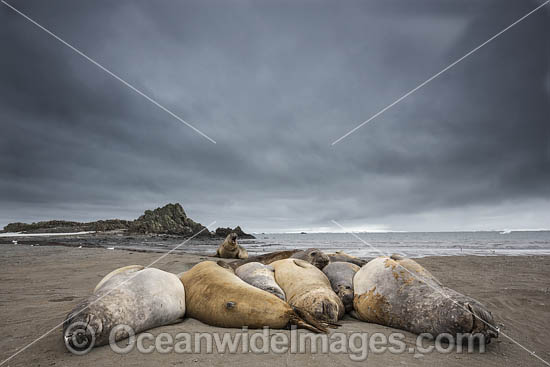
(274, 84)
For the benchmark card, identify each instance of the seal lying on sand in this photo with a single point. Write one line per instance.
(230, 249)
(313, 256)
(217, 297)
(306, 287)
(342, 256)
(260, 276)
(398, 292)
(142, 298)
(265, 258)
(341, 276)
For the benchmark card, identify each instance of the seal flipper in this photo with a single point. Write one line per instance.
(354, 314)
(307, 321)
(302, 263)
(397, 257)
(482, 321)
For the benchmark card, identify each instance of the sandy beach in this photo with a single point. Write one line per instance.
(41, 284)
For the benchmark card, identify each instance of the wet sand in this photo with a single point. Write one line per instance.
(41, 284)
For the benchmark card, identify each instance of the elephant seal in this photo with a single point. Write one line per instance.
(265, 258)
(343, 257)
(230, 249)
(216, 296)
(340, 274)
(260, 276)
(306, 287)
(398, 292)
(313, 256)
(142, 298)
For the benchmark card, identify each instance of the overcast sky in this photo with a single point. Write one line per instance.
(274, 83)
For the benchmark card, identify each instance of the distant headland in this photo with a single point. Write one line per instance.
(169, 219)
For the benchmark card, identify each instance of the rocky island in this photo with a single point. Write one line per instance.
(170, 219)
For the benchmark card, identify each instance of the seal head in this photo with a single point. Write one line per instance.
(306, 287)
(127, 296)
(230, 249)
(341, 276)
(314, 256)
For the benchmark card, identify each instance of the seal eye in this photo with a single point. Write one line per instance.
(229, 305)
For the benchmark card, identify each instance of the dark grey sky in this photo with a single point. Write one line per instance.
(274, 83)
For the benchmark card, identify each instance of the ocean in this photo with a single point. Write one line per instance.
(410, 244)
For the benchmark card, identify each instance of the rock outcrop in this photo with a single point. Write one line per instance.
(223, 232)
(170, 219)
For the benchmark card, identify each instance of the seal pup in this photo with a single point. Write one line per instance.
(230, 249)
(400, 293)
(260, 276)
(342, 256)
(142, 298)
(216, 296)
(313, 256)
(306, 286)
(340, 274)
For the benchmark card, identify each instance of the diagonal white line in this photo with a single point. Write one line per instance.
(533, 353)
(436, 75)
(110, 72)
(84, 308)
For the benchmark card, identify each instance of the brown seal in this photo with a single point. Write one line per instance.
(342, 256)
(306, 287)
(398, 292)
(265, 259)
(216, 296)
(230, 249)
(313, 256)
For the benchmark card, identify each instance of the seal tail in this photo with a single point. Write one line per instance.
(305, 320)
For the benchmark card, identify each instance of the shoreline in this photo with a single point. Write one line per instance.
(208, 247)
(455, 245)
(40, 285)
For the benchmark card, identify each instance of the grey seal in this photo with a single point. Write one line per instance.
(141, 298)
(341, 276)
(398, 292)
(260, 276)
